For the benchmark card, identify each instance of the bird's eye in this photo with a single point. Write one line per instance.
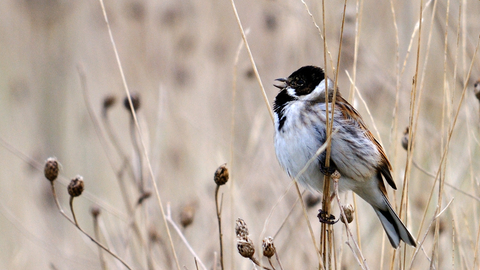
(300, 82)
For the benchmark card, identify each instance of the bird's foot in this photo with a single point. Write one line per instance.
(325, 217)
(327, 170)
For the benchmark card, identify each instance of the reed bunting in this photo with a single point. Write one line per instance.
(300, 130)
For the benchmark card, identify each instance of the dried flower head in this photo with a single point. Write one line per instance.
(336, 175)
(221, 175)
(109, 101)
(241, 228)
(135, 102)
(405, 139)
(268, 247)
(51, 169)
(476, 89)
(75, 188)
(348, 210)
(145, 195)
(245, 247)
(312, 199)
(153, 234)
(95, 211)
(187, 215)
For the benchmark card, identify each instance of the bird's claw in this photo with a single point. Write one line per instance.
(325, 217)
(328, 170)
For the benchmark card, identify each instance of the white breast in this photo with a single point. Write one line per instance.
(297, 143)
(302, 135)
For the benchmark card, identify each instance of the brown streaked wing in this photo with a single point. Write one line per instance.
(350, 113)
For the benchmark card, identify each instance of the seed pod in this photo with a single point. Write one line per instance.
(268, 247)
(348, 210)
(476, 89)
(246, 248)
(51, 169)
(187, 215)
(75, 188)
(405, 139)
(312, 199)
(109, 101)
(241, 229)
(95, 211)
(221, 175)
(135, 102)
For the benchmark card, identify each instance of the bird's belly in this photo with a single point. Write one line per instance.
(296, 148)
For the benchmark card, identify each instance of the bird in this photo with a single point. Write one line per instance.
(300, 130)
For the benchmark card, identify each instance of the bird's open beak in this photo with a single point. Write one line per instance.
(283, 80)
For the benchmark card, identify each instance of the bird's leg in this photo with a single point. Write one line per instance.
(324, 169)
(323, 216)
(335, 177)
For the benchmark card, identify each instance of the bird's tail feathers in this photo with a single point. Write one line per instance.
(393, 226)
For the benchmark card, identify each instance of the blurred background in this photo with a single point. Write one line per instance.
(200, 108)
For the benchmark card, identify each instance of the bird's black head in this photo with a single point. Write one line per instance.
(298, 85)
(304, 80)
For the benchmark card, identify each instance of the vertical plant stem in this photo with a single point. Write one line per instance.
(96, 231)
(326, 180)
(219, 218)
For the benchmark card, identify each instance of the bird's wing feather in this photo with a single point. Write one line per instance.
(384, 166)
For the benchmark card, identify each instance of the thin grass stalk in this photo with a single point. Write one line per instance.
(469, 150)
(412, 130)
(232, 143)
(169, 219)
(417, 114)
(358, 255)
(452, 128)
(394, 127)
(123, 189)
(218, 207)
(475, 252)
(454, 74)
(330, 127)
(96, 231)
(318, 252)
(252, 60)
(144, 148)
(103, 140)
(295, 182)
(358, 24)
(325, 228)
(320, 32)
(74, 222)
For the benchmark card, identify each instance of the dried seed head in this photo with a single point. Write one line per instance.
(109, 101)
(312, 199)
(95, 211)
(187, 215)
(145, 195)
(135, 102)
(75, 188)
(246, 248)
(153, 234)
(348, 210)
(476, 89)
(241, 229)
(405, 139)
(221, 175)
(51, 169)
(336, 175)
(268, 247)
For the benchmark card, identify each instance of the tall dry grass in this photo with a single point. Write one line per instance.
(201, 106)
